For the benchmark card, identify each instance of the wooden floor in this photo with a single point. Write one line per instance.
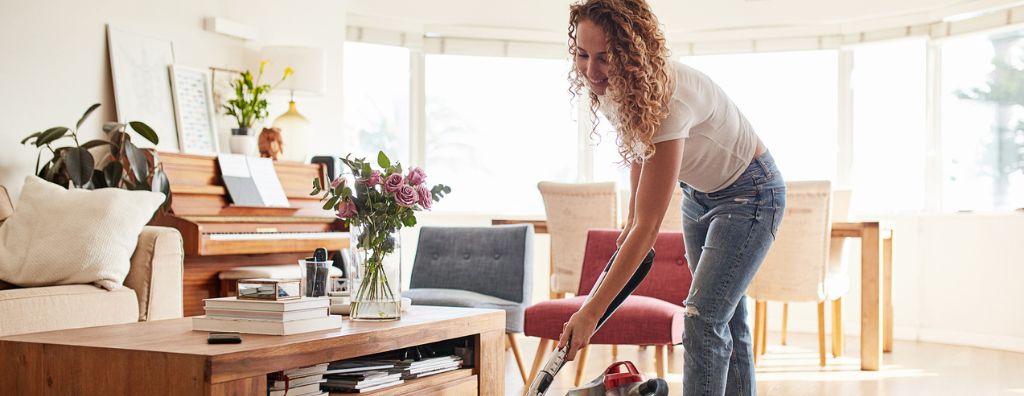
(912, 369)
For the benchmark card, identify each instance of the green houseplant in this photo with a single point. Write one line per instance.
(125, 166)
(249, 105)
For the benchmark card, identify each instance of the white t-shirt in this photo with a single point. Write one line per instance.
(720, 143)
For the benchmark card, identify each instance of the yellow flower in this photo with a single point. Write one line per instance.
(263, 63)
(287, 72)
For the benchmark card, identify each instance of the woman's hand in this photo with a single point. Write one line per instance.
(579, 328)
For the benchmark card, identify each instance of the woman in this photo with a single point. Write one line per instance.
(675, 125)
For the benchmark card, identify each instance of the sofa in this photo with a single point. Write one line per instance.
(153, 290)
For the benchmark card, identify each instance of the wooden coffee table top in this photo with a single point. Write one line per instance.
(260, 354)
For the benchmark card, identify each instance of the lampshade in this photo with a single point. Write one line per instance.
(308, 64)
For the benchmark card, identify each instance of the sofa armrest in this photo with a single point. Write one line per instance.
(156, 273)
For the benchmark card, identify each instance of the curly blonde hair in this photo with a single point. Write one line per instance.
(640, 85)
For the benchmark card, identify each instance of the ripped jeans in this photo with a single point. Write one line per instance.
(727, 234)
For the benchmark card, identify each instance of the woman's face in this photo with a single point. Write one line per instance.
(592, 55)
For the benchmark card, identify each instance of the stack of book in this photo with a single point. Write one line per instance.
(341, 304)
(303, 381)
(360, 376)
(410, 369)
(266, 317)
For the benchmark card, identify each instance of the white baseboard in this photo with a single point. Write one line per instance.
(989, 341)
(921, 334)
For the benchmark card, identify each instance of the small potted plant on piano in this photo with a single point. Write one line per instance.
(375, 204)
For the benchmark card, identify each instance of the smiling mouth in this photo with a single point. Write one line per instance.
(599, 82)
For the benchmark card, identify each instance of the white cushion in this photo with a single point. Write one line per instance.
(62, 237)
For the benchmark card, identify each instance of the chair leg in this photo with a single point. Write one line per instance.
(515, 352)
(660, 359)
(785, 321)
(764, 328)
(615, 353)
(581, 364)
(538, 359)
(837, 327)
(757, 331)
(821, 334)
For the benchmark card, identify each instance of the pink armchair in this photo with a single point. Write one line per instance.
(653, 315)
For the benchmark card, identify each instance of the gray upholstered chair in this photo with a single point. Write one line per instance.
(476, 267)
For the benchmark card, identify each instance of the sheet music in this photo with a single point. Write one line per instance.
(234, 170)
(267, 184)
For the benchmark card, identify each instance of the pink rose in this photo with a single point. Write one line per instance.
(337, 181)
(373, 180)
(347, 210)
(425, 197)
(393, 183)
(416, 176)
(406, 196)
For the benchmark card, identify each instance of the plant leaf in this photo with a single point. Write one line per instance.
(137, 162)
(50, 135)
(79, 164)
(145, 131)
(96, 143)
(113, 173)
(383, 160)
(31, 136)
(98, 181)
(409, 221)
(86, 115)
(330, 203)
(164, 186)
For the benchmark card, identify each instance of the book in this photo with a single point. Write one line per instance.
(251, 181)
(304, 371)
(355, 366)
(275, 306)
(428, 373)
(202, 323)
(364, 383)
(282, 316)
(295, 381)
(297, 390)
(345, 389)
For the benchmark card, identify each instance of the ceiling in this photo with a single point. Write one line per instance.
(680, 17)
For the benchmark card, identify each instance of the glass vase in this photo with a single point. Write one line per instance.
(376, 289)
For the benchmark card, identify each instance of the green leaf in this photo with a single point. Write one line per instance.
(96, 143)
(39, 156)
(366, 169)
(383, 160)
(339, 188)
(145, 131)
(79, 164)
(86, 115)
(113, 173)
(164, 186)
(346, 192)
(331, 202)
(316, 182)
(137, 162)
(50, 135)
(409, 221)
(30, 136)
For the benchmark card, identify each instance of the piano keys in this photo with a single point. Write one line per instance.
(219, 235)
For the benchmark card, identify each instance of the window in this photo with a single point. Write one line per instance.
(496, 127)
(982, 129)
(790, 99)
(376, 95)
(889, 131)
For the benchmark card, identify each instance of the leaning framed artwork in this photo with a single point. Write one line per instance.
(142, 85)
(193, 110)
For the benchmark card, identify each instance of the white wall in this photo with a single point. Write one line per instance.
(54, 62)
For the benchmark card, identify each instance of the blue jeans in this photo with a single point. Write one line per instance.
(727, 234)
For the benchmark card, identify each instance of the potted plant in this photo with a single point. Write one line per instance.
(125, 166)
(249, 107)
(375, 204)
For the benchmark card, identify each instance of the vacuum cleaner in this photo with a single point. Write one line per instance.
(627, 385)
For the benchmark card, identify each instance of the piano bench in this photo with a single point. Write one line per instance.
(229, 279)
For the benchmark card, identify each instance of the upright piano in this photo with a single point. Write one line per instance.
(219, 235)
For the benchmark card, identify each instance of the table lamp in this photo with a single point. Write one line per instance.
(308, 80)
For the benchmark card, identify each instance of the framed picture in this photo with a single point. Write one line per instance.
(193, 110)
(142, 85)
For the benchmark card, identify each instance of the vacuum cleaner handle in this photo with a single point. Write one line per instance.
(546, 375)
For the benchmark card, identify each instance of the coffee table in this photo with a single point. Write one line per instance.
(167, 357)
